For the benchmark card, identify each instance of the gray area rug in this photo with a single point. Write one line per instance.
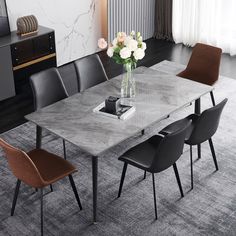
(210, 209)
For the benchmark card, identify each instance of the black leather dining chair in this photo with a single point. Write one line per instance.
(202, 128)
(90, 72)
(155, 155)
(48, 88)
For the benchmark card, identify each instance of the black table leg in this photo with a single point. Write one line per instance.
(95, 186)
(198, 111)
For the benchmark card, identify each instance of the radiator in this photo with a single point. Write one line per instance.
(128, 15)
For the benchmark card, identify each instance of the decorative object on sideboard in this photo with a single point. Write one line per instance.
(126, 50)
(27, 25)
(4, 23)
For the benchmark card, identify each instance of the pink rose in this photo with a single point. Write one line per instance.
(102, 43)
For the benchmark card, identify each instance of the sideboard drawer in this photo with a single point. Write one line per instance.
(32, 49)
(22, 52)
(44, 45)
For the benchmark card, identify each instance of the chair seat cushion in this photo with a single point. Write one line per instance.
(173, 127)
(143, 154)
(197, 77)
(50, 166)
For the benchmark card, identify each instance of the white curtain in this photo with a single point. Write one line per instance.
(207, 21)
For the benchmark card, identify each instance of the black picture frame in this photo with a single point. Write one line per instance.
(4, 22)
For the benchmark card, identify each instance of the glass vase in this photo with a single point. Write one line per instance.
(128, 88)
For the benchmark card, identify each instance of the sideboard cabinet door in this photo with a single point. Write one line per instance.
(7, 87)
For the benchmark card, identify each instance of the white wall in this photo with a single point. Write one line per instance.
(77, 23)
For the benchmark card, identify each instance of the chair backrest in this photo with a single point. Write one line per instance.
(207, 124)
(69, 76)
(170, 149)
(90, 72)
(203, 65)
(47, 87)
(22, 166)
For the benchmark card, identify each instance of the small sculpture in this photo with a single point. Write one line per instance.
(27, 25)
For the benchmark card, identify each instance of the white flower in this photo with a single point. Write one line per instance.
(132, 44)
(144, 46)
(127, 39)
(110, 51)
(139, 54)
(125, 53)
(140, 39)
(132, 33)
(114, 42)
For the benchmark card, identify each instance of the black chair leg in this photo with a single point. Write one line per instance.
(145, 174)
(75, 191)
(199, 151)
(41, 209)
(191, 165)
(15, 196)
(64, 149)
(198, 111)
(213, 153)
(122, 178)
(38, 136)
(178, 179)
(51, 188)
(154, 194)
(212, 98)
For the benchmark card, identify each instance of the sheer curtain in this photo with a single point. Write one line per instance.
(208, 21)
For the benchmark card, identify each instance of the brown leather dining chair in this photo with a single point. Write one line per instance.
(38, 169)
(203, 66)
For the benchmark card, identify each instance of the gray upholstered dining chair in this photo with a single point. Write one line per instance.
(202, 128)
(48, 88)
(156, 155)
(90, 72)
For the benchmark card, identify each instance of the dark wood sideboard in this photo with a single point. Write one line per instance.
(21, 57)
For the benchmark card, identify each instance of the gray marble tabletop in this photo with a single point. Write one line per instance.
(158, 95)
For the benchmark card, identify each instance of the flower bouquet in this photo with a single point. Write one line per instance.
(126, 50)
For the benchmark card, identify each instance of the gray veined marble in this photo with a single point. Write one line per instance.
(77, 23)
(159, 94)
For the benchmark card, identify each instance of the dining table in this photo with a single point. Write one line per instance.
(158, 96)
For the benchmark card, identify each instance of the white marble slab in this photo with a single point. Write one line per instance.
(77, 23)
(158, 95)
